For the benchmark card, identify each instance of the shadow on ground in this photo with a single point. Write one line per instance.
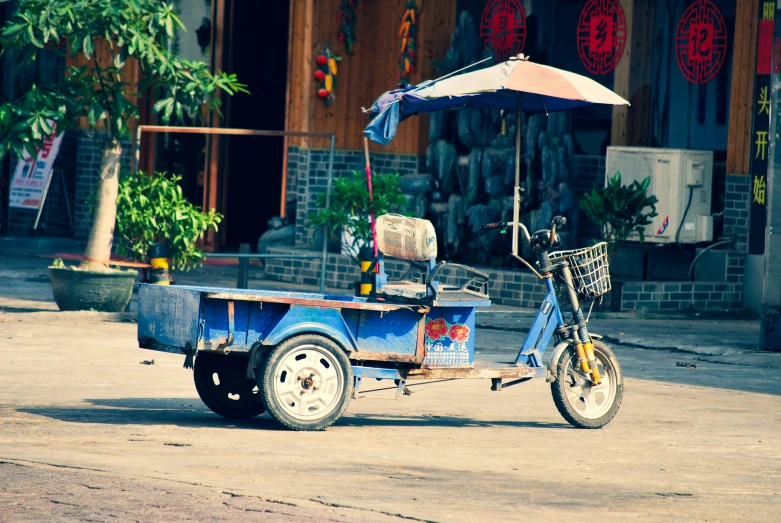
(189, 413)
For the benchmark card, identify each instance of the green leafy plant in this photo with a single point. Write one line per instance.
(152, 209)
(350, 207)
(101, 92)
(620, 210)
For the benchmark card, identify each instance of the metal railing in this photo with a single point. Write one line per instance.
(244, 257)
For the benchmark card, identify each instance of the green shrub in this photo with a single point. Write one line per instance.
(349, 207)
(620, 210)
(152, 209)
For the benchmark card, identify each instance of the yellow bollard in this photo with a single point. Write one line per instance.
(366, 256)
(158, 259)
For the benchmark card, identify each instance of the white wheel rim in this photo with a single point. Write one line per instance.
(308, 383)
(588, 400)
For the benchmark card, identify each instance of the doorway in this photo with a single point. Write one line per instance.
(257, 42)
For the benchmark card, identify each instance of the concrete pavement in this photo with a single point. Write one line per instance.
(688, 444)
(87, 433)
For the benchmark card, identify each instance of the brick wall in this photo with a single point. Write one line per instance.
(736, 208)
(54, 218)
(647, 296)
(307, 172)
(521, 289)
(88, 165)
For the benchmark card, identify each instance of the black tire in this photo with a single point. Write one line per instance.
(230, 394)
(319, 392)
(572, 404)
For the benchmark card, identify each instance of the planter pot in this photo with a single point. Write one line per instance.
(104, 291)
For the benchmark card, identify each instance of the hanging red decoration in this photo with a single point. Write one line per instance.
(347, 18)
(701, 42)
(409, 46)
(601, 35)
(325, 73)
(503, 28)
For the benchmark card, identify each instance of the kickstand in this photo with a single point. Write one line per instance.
(401, 388)
(356, 384)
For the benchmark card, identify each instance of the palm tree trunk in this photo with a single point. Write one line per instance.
(101, 235)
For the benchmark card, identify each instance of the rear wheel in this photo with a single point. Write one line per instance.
(307, 382)
(222, 383)
(578, 400)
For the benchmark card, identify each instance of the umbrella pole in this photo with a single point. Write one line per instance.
(517, 189)
(371, 197)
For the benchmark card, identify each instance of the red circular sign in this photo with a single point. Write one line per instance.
(701, 42)
(503, 28)
(601, 35)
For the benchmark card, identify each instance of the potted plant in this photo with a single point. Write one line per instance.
(620, 210)
(99, 94)
(350, 209)
(151, 210)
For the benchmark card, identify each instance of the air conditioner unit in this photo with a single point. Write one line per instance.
(682, 181)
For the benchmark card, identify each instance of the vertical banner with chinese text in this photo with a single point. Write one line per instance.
(758, 209)
(32, 175)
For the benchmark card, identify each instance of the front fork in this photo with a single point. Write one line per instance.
(584, 345)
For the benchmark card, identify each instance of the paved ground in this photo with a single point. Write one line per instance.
(86, 432)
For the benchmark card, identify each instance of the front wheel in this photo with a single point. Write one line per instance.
(307, 382)
(578, 400)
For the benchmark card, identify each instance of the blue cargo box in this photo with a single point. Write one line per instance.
(183, 319)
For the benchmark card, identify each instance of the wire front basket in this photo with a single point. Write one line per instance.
(590, 270)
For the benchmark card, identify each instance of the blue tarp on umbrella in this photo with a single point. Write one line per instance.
(517, 82)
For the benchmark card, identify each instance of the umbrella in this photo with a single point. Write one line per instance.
(514, 84)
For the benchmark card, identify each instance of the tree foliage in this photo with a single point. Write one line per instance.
(99, 91)
(620, 210)
(152, 209)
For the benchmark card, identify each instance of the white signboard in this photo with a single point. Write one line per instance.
(32, 175)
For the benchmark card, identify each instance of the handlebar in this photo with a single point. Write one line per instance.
(559, 221)
(551, 240)
(493, 226)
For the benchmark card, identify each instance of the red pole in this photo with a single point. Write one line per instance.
(369, 182)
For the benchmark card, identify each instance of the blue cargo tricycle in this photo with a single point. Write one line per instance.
(301, 356)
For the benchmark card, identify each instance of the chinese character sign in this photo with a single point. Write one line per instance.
(503, 28)
(601, 35)
(760, 130)
(701, 42)
(31, 176)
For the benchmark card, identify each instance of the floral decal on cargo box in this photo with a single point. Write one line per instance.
(443, 336)
(437, 329)
(459, 332)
